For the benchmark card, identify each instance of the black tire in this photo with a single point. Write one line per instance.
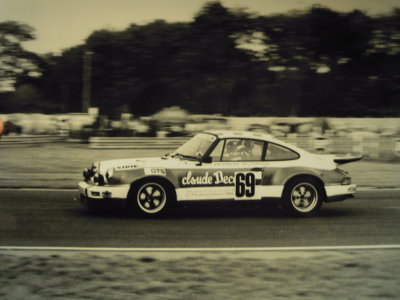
(150, 198)
(303, 197)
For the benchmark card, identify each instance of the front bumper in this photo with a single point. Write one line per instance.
(340, 192)
(95, 194)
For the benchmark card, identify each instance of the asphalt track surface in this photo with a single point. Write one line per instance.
(51, 218)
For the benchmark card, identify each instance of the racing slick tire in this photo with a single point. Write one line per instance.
(150, 198)
(303, 197)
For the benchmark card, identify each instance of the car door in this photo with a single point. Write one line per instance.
(237, 168)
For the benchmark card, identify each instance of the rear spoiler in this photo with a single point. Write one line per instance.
(347, 159)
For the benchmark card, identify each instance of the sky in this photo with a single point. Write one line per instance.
(61, 24)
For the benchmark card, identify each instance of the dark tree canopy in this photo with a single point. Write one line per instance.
(17, 68)
(317, 62)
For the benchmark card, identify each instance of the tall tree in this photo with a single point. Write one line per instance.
(17, 68)
(14, 60)
(314, 62)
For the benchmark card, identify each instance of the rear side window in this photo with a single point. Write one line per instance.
(277, 152)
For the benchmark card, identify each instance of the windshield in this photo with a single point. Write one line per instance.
(196, 146)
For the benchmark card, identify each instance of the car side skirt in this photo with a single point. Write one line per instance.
(226, 192)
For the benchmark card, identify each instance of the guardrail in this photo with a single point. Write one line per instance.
(385, 148)
(12, 140)
(382, 148)
(136, 142)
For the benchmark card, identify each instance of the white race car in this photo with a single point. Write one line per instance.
(221, 165)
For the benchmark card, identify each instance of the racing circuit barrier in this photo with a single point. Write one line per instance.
(381, 148)
(136, 142)
(14, 140)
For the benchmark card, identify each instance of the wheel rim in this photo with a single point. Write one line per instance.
(304, 197)
(151, 198)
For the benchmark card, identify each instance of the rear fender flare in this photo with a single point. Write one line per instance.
(282, 176)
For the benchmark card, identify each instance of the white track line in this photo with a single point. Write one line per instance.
(33, 189)
(232, 249)
(40, 189)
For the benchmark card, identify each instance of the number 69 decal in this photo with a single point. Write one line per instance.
(245, 185)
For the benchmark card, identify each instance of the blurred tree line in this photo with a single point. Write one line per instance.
(317, 62)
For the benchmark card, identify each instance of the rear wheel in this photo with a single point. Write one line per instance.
(150, 198)
(302, 197)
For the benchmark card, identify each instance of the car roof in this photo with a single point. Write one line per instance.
(241, 134)
(253, 135)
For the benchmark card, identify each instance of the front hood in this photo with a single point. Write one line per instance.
(148, 162)
(128, 163)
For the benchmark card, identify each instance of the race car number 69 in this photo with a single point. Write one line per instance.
(245, 184)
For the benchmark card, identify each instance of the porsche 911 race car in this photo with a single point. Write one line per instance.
(226, 165)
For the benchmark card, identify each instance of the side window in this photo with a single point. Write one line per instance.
(217, 152)
(276, 152)
(231, 150)
(242, 150)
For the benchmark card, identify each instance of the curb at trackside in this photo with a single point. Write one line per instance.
(203, 250)
(359, 189)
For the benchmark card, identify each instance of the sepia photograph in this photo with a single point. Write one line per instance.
(199, 149)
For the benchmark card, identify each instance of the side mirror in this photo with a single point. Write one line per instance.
(199, 155)
(207, 160)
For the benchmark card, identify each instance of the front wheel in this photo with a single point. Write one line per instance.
(149, 199)
(302, 197)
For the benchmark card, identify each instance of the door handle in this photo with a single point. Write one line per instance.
(257, 169)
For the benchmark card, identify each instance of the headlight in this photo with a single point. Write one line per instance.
(88, 173)
(98, 179)
(95, 166)
(110, 173)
